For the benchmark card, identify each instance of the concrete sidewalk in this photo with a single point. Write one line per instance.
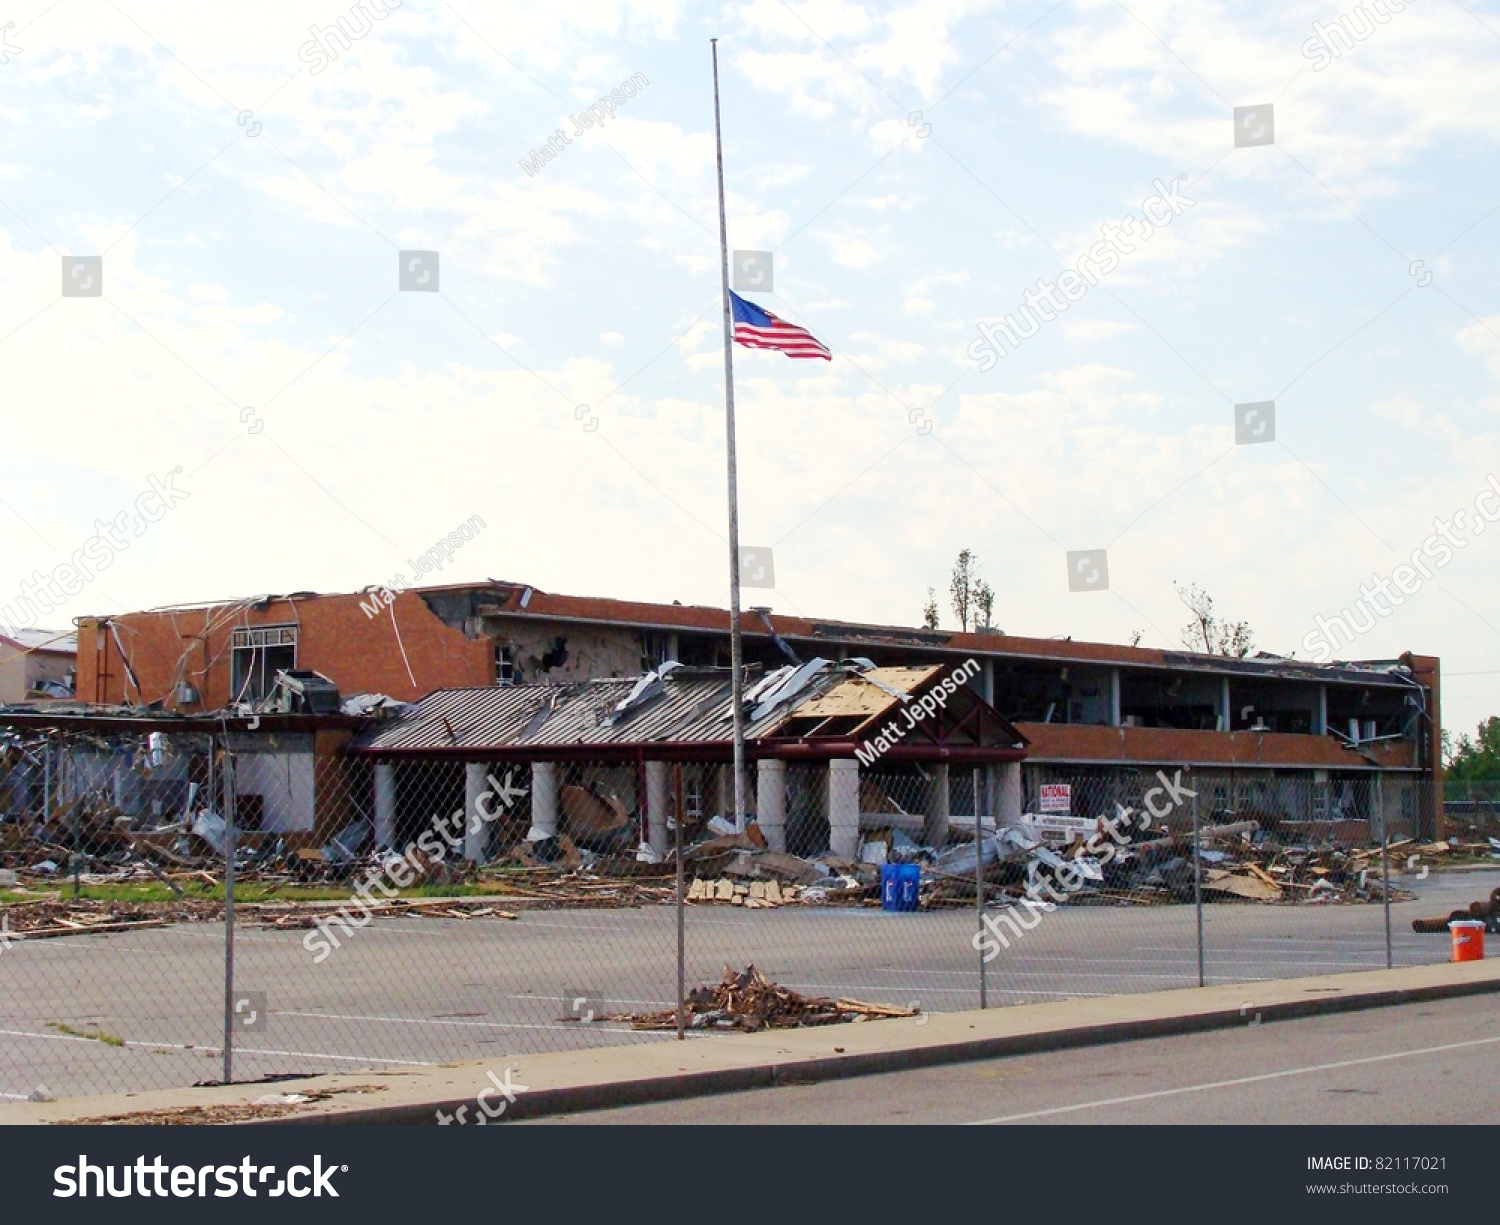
(616, 1076)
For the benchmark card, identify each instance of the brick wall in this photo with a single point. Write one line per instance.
(335, 637)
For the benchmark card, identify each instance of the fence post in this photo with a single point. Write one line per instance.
(1198, 887)
(979, 896)
(681, 917)
(228, 914)
(74, 818)
(75, 854)
(47, 781)
(1385, 884)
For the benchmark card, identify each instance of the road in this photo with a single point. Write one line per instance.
(1416, 1063)
(409, 991)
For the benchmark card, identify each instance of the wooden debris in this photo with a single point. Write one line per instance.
(1241, 885)
(748, 1001)
(753, 895)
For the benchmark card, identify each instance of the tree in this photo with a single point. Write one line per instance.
(1478, 759)
(961, 587)
(984, 605)
(972, 599)
(930, 610)
(1208, 632)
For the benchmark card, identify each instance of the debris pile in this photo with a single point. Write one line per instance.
(747, 1000)
(152, 825)
(1486, 911)
(56, 916)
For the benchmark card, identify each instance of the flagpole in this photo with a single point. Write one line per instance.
(736, 654)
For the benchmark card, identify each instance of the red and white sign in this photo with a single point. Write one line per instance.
(1057, 797)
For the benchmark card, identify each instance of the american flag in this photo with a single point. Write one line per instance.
(760, 329)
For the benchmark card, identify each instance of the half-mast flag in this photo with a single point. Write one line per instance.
(760, 329)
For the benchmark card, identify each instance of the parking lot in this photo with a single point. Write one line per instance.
(129, 1011)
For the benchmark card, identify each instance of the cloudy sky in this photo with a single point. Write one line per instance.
(249, 183)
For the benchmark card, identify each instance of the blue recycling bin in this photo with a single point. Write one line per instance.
(900, 886)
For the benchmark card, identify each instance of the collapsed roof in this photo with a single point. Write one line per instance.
(818, 709)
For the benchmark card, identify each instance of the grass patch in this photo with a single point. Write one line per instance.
(95, 1035)
(244, 891)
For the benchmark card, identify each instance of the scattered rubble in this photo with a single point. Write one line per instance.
(748, 1001)
(55, 915)
(269, 1106)
(173, 839)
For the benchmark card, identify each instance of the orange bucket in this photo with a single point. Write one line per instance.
(1468, 939)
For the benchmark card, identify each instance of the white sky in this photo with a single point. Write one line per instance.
(260, 272)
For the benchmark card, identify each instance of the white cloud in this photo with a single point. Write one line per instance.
(256, 283)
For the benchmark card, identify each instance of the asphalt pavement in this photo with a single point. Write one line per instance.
(1436, 1062)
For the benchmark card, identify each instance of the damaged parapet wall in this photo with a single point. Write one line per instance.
(551, 651)
(196, 659)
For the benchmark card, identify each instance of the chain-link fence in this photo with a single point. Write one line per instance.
(405, 911)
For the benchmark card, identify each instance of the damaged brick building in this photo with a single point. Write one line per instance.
(1335, 742)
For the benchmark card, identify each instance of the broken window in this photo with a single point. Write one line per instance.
(256, 656)
(655, 650)
(506, 671)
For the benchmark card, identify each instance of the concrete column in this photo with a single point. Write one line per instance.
(935, 827)
(656, 806)
(1320, 716)
(987, 682)
(1114, 697)
(770, 801)
(476, 828)
(1225, 713)
(1009, 812)
(385, 805)
(843, 807)
(543, 801)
